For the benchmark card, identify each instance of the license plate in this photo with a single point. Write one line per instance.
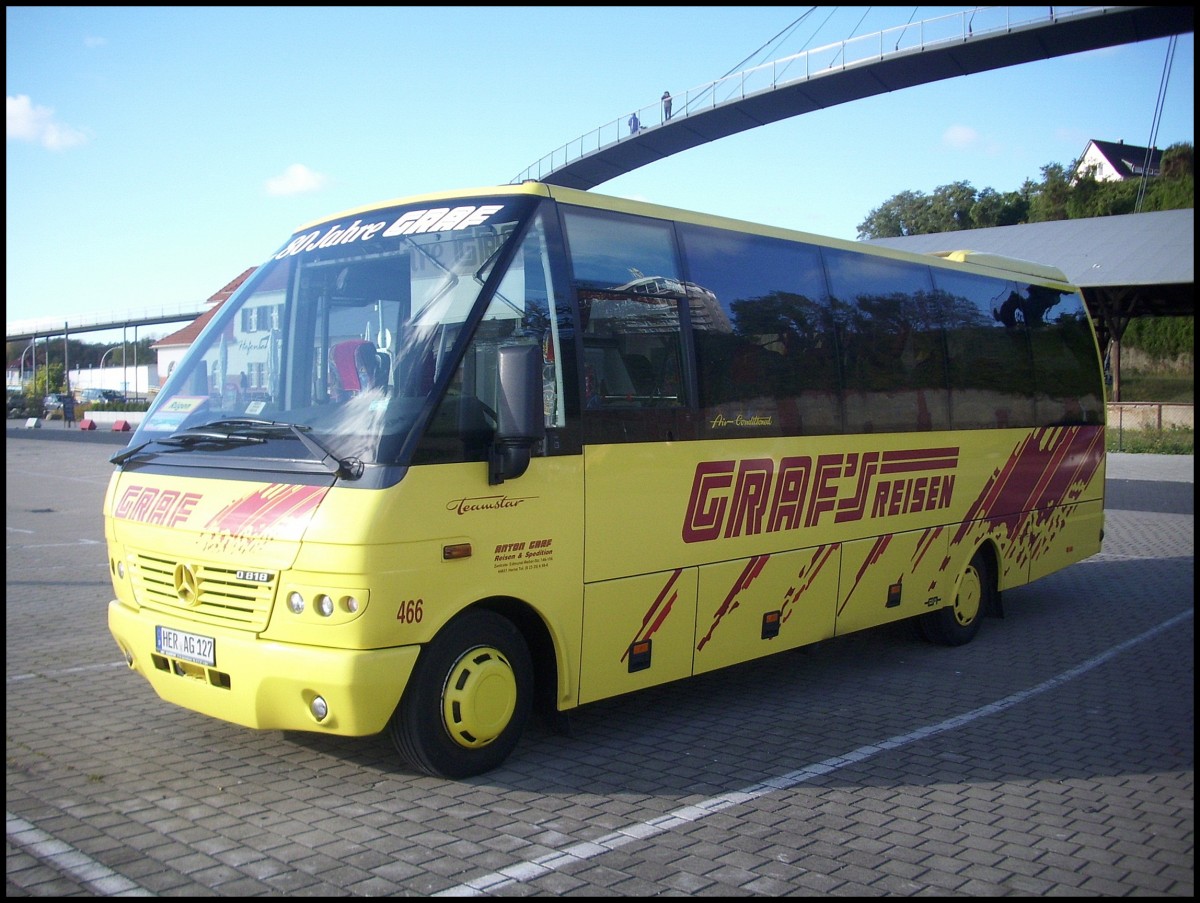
(188, 646)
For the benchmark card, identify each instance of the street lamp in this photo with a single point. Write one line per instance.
(103, 356)
(32, 347)
(27, 347)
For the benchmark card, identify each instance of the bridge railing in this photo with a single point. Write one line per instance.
(808, 64)
(73, 323)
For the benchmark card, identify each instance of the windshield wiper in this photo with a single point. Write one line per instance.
(249, 431)
(201, 436)
(125, 454)
(349, 468)
(258, 430)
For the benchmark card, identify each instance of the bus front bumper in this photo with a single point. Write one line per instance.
(268, 685)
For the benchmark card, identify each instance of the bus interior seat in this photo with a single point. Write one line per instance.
(355, 366)
(383, 369)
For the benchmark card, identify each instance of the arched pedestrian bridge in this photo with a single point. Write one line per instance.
(975, 40)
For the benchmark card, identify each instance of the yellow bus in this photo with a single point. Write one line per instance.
(454, 459)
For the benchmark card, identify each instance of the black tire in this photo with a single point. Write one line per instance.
(468, 699)
(957, 624)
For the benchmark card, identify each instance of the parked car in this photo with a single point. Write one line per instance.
(18, 404)
(101, 396)
(54, 402)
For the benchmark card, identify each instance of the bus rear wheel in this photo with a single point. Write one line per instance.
(957, 624)
(468, 699)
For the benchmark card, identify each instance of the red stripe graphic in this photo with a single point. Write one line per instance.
(916, 460)
(278, 511)
(924, 546)
(822, 555)
(877, 550)
(668, 595)
(752, 569)
(1050, 467)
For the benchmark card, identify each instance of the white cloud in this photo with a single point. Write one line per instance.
(93, 41)
(960, 137)
(296, 179)
(23, 121)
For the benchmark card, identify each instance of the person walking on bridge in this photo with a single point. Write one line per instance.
(666, 102)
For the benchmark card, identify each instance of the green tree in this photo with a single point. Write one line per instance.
(1049, 202)
(1162, 338)
(898, 216)
(1062, 193)
(1178, 162)
(1091, 197)
(1170, 194)
(1175, 188)
(48, 379)
(950, 206)
(995, 209)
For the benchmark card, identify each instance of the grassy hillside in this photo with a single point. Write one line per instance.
(1160, 387)
(1165, 389)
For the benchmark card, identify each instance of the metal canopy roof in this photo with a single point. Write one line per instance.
(1135, 265)
(1104, 251)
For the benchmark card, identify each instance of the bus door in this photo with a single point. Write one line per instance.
(639, 587)
(639, 604)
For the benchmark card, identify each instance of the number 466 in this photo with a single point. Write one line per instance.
(411, 611)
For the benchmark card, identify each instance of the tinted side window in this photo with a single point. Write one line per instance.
(765, 350)
(991, 371)
(526, 310)
(631, 300)
(1066, 366)
(890, 329)
(611, 250)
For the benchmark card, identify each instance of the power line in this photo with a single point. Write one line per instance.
(1158, 108)
(742, 65)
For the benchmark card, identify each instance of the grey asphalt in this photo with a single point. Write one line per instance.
(1052, 756)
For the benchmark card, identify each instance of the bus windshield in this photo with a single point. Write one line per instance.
(344, 335)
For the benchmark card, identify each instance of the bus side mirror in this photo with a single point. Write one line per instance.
(520, 421)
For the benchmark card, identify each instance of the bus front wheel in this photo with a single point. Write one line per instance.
(468, 699)
(957, 624)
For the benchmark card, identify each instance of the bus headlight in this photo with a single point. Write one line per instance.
(326, 604)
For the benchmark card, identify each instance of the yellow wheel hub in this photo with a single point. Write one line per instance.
(480, 697)
(969, 598)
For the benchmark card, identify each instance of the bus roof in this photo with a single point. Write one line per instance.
(996, 262)
(1008, 264)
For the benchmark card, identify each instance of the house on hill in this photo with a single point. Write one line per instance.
(170, 349)
(1116, 161)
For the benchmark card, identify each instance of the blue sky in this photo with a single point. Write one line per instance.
(154, 154)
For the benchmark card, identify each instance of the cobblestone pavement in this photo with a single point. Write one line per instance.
(1052, 756)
